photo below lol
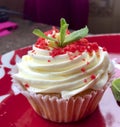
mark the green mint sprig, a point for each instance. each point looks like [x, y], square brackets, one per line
[76, 35]
[64, 39]
[39, 33]
[63, 28]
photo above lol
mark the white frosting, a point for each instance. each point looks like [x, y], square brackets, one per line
[59, 74]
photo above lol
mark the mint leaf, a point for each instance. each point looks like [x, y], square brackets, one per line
[62, 40]
[39, 33]
[76, 35]
[62, 22]
[63, 28]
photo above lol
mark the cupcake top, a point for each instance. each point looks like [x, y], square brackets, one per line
[63, 62]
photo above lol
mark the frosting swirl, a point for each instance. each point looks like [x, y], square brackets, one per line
[44, 73]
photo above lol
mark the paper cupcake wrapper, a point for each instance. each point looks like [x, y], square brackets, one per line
[61, 110]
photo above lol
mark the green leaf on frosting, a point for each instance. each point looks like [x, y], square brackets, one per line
[63, 28]
[39, 33]
[76, 35]
[64, 39]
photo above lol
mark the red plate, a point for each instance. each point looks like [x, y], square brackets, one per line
[15, 111]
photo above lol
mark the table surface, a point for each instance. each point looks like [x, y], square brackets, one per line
[22, 36]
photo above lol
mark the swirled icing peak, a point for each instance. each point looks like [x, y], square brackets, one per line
[66, 69]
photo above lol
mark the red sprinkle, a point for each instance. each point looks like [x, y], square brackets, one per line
[92, 76]
[88, 63]
[83, 69]
[49, 60]
[84, 41]
[83, 59]
[26, 85]
[71, 56]
[85, 80]
[95, 46]
[41, 43]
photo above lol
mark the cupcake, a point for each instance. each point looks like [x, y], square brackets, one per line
[64, 76]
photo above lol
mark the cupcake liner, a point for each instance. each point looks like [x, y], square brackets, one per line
[59, 109]
[64, 110]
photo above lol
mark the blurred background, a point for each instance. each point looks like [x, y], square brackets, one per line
[19, 18]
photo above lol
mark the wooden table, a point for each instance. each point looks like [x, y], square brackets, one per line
[22, 36]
